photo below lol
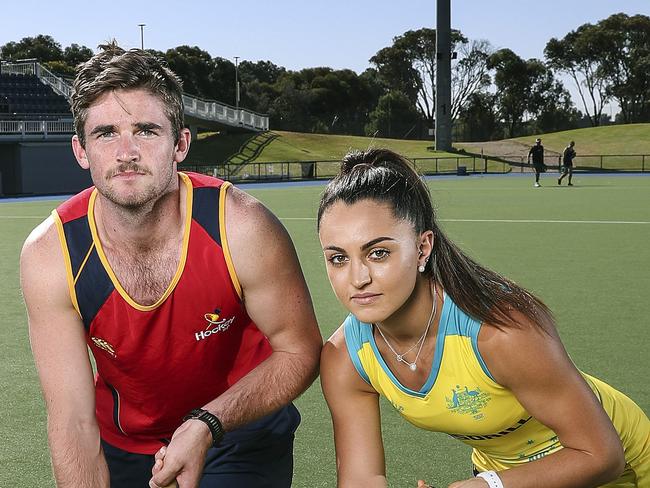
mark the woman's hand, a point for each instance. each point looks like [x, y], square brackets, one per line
[469, 483]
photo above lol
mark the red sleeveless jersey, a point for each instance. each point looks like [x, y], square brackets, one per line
[155, 363]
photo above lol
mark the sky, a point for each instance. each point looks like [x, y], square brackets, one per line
[301, 34]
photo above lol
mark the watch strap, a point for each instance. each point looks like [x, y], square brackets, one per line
[209, 419]
[492, 479]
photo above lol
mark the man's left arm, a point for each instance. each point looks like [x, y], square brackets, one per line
[277, 299]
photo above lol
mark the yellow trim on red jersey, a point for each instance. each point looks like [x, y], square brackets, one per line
[224, 239]
[181, 265]
[83, 263]
[66, 259]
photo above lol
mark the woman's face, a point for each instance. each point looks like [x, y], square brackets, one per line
[371, 257]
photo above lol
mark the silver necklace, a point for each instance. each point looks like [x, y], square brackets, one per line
[400, 357]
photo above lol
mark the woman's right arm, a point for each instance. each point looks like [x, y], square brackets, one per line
[354, 406]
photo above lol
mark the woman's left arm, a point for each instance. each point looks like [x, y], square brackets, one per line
[534, 365]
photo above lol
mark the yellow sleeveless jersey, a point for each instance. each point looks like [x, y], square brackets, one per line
[461, 398]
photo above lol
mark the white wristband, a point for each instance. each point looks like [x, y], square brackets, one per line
[492, 479]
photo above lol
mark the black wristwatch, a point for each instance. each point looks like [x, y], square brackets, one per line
[212, 421]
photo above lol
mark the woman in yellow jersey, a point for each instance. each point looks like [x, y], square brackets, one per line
[455, 348]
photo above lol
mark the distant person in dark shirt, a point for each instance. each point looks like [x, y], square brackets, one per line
[537, 153]
[567, 163]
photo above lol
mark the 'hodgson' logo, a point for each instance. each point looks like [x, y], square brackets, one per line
[215, 325]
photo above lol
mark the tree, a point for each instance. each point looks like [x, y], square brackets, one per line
[578, 54]
[479, 120]
[409, 66]
[608, 60]
[626, 63]
[470, 74]
[222, 80]
[75, 54]
[526, 89]
[395, 117]
[513, 83]
[290, 110]
[43, 48]
[324, 100]
[261, 71]
[194, 66]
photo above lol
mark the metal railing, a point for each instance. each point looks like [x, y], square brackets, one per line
[44, 128]
[592, 162]
[324, 169]
[194, 106]
[58, 85]
[18, 68]
[219, 112]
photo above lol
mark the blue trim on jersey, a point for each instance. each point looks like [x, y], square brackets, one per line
[79, 241]
[453, 321]
[205, 210]
[437, 356]
[93, 288]
[354, 340]
[478, 354]
[440, 344]
[467, 326]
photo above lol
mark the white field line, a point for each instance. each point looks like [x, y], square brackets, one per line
[517, 221]
[10, 217]
[506, 221]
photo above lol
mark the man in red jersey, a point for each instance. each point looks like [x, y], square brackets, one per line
[187, 291]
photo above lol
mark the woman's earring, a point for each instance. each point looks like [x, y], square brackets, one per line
[422, 266]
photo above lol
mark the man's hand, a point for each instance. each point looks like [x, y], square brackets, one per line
[160, 459]
[180, 464]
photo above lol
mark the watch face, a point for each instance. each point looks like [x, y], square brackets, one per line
[194, 414]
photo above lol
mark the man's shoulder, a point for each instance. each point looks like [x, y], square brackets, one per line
[40, 243]
[199, 180]
[75, 206]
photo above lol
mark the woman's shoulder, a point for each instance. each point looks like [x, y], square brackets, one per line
[339, 355]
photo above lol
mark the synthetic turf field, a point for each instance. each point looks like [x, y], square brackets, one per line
[584, 250]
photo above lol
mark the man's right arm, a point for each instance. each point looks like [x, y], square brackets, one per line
[57, 339]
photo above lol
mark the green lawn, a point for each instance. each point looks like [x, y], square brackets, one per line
[609, 139]
[593, 275]
[630, 139]
[297, 146]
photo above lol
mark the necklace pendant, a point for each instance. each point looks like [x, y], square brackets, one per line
[413, 366]
[400, 359]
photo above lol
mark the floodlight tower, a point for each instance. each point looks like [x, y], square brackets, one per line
[237, 82]
[443, 75]
[142, 35]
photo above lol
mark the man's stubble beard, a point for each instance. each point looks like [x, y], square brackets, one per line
[135, 201]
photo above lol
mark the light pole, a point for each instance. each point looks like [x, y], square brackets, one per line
[141, 35]
[236, 82]
[443, 76]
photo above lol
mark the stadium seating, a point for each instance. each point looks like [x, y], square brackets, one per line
[26, 97]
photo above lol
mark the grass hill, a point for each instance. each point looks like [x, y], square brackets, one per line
[609, 139]
[211, 148]
[606, 140]
[216, 148]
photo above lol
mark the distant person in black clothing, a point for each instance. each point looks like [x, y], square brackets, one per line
[537, 152]
[567, 163]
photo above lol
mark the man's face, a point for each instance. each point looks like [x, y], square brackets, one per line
[130, 149]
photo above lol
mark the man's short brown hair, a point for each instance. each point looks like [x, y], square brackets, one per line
[114, 68]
